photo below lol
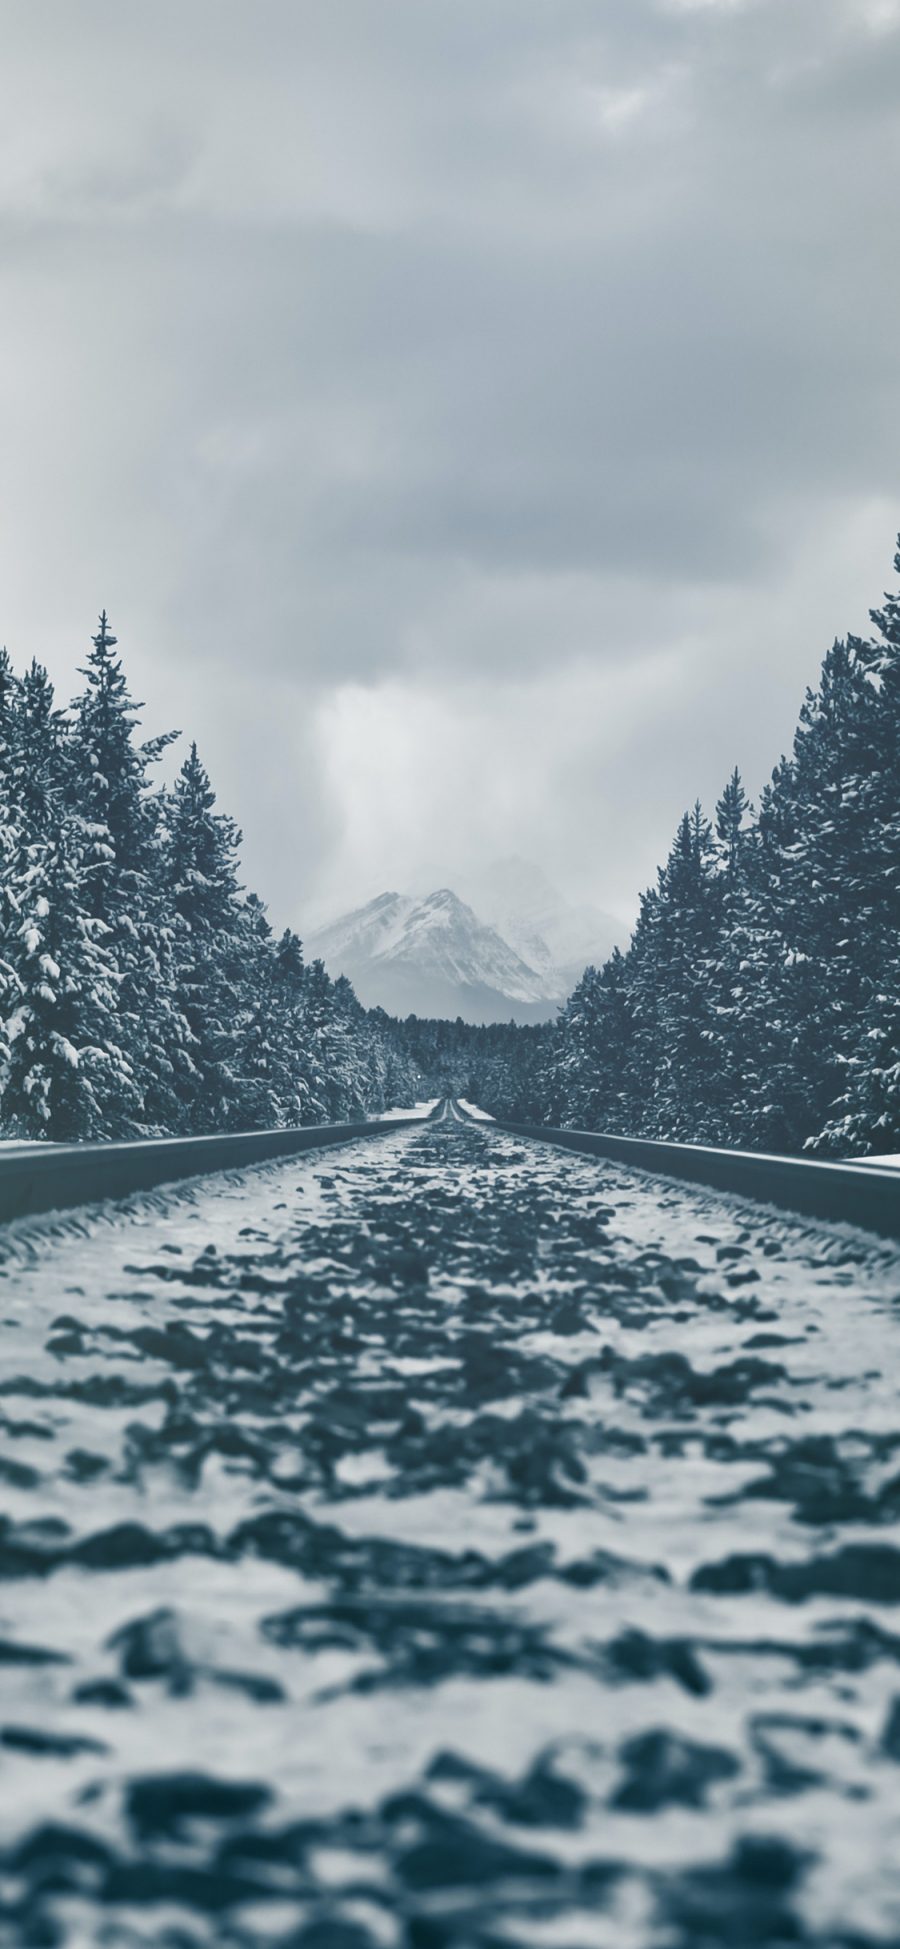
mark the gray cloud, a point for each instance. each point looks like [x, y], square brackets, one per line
[438, 356]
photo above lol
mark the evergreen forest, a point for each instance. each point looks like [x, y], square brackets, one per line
[758, 1004]
[143, 991]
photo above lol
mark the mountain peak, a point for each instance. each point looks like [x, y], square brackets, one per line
[434, 956]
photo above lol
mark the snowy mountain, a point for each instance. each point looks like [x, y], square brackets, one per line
[434, 956]
[431, 957]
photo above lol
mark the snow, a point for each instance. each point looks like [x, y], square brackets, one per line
[474, 1110]
[389, 1624]
[408, 1110]
[65, 1049]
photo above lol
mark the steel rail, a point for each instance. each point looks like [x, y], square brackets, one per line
[54, 1177]
[865, 1194]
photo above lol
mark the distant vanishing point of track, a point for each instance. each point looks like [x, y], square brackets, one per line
[448, 1541]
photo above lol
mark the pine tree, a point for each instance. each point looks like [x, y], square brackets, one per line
[589, 1070]
[109, 784]
[765, 1113]
[210, 936]
[262, 1087]
[9, 707]
[62, 1044]
[732, 814]
[733, 1028]
[9, 829]
[672, 1004]
[644, 990]
[826, 881]
[37, 756]
[288, 998]
[865, 1112]
[109, 777]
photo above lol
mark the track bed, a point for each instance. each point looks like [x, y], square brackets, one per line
[448, 1543]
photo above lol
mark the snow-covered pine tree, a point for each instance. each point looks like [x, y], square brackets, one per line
[317, 1025]
[287, 1001]
[208, 952]
[865, 1114]
[673, 948]
[865, 1119]
[322, 1063]
[733, 1029]
[766, 1108]
[575, 1061]
[62, 1042]
[827, 892]
[878, 662]
[352, 1088]
[109, 778]
[732, 814]
[110, 786]
[364, 1056]
[9, 823]
[38, 758]
[589, 1071]
[401, 1078]
[260, 1056]
[10, 689]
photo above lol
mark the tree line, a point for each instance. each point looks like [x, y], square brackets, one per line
[142, 990]
[759, 1001]
[503, 1066]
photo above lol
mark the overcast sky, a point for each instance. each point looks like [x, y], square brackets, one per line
[478, 416]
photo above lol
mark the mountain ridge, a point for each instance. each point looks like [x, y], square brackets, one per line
[432, 954]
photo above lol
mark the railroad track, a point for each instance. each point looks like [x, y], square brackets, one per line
[54, 1177]
[38, 1178]
[863, 1194]
[454, 1530]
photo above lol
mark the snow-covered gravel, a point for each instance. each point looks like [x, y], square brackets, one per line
[448, 1543]
[411, 1110]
